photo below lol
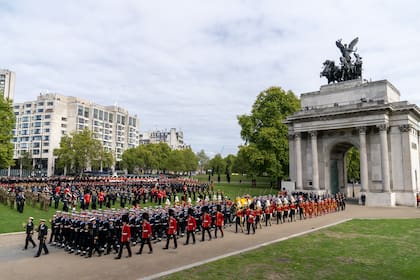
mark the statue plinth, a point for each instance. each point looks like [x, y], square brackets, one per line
[350, 92]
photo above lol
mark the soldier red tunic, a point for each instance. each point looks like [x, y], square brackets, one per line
[219, 223]
[191, 227]
[125, 240]
[172, 228]
[206, 225]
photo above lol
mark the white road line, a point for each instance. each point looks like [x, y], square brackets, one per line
[165, 273]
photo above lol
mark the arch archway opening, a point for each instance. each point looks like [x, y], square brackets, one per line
[345, 169]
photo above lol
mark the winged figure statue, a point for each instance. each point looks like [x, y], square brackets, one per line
[346, 51]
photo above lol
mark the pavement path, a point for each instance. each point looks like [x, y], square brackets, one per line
[18, 264]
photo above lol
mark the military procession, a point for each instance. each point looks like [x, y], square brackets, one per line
[87, 233]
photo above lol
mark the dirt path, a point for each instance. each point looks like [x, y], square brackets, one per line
[18, 264]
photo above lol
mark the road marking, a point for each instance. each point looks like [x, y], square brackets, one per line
[165, 273]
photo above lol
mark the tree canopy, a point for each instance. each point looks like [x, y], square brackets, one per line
[353, 164]
[7, 123]
[80, 150]
[158, 157]
[266, 147]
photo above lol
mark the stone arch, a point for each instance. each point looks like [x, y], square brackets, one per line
[370, 117]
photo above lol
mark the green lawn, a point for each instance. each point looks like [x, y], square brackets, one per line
[11, 220]
[359, 249]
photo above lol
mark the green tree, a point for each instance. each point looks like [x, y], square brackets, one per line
[130, 160]
[176, 161]
[230, 161]
[353, 165]
[203, 161]
[218, 165]
[7, 123]
[104, 160]
[265, 135]
[79, 151]
[65, 154]
[190, 160]
[26, 161]
[242, 162]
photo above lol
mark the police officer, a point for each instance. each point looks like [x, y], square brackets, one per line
[42, 236]
[29, 232]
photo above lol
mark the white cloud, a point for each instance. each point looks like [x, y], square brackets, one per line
[196, 65]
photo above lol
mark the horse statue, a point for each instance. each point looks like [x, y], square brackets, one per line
[332, 72]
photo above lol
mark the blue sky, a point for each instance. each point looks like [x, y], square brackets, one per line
[196, 65]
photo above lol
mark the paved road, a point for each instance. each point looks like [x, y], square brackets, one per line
[18, 264]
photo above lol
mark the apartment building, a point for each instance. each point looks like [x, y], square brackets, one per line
[40, 124]
[174, 139]
[7, 83]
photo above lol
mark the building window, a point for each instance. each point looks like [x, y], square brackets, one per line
[111, 117]
[40, 103]
[38, 117]
[95, 113]
[64, 119]
[35, 152]
[36, 145]
[45, 151]
[63, 125]
[50, 103]
[101, 115]
[46, 138]
[47, 116]
[28, 105]
[47, 130]
[47, 123]
[80, 110]
[40, 110]
[37, 124]
[86, 112]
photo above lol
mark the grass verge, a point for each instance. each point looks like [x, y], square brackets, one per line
[359, 249]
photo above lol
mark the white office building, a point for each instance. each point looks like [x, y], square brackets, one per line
[174, 139]
[7, 83]
[40, 124]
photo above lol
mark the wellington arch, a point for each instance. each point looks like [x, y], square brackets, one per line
[368, 116]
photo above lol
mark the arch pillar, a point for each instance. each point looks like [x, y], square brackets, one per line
[364, 181]
[315, 169]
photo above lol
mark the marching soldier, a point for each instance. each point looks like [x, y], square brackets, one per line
[250, 221]
[206, 223]
[125, 237]
[29, 232]
[146, 233]
[93, 238]
[239, 217]
[219, 221]
[191, 226]
[172, 228]
[42, 236]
